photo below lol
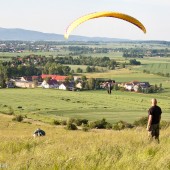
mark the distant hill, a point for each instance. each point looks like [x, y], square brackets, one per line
[28, 35]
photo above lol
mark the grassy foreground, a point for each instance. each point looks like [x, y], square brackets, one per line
[94, 150]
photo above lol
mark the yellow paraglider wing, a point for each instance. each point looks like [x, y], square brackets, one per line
[122, 16]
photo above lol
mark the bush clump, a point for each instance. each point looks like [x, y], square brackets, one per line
[100, 124]
[56, 122]
[18, 118]
[141, 122]
[79, 122]
[63, 122]
[71, 120]
[122, 125]
[71, 126]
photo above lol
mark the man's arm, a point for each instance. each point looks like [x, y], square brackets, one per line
[149, 122]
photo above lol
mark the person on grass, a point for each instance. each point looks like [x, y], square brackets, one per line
[154, 117]
[39, 132]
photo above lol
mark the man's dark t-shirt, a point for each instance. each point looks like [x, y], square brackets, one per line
[155, 111]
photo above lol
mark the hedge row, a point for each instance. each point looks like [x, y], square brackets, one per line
[71, 124]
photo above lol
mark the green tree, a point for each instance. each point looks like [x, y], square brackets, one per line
[91, 83]
[3, 76]
[79, 70]
[83, 78]
[88, 69]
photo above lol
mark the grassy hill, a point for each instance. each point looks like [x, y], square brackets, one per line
[95, 150]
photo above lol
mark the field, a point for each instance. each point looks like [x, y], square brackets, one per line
[157, 68]
[50, 104]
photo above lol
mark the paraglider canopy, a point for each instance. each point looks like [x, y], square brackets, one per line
[118, 15]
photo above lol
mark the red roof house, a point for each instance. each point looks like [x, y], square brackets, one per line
[54, 77]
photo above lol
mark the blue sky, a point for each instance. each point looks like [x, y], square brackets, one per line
[54, 16]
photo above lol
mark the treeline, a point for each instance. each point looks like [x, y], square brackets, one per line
[86, 125]
[141, 52]
[80, 60]
[84, 60]
[85, 50]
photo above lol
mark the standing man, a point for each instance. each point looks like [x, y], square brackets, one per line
[154, 117]
[109, 88]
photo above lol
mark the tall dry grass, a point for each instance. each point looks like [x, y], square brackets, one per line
[77, 150]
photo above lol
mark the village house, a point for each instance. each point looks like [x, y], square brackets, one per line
[129, 86]
[26, 78]
[31, 78]
[134, 85]
[62, 86]
[49, 84]
[58, 78]
[25, 84]
[79, 85]
[10, 84]
[67, 86]
[143, 85]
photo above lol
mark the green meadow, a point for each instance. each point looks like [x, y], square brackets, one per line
[157, 68]
[50, 104]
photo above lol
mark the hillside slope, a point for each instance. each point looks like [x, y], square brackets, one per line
[78, 150]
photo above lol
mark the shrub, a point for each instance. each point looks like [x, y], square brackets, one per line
[100, 124]
[18, 118]
[108, 126]
[70, 120]
[63, 122]
[71, 126]
[85, 127]
[119, 125]
[141, 122]
[79, 122]
[122, 125]
[116, 127]
[56, 122]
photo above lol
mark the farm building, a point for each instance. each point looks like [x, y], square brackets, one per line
[25, 84]
[63, 86]
[49, 84]
[54, 77]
